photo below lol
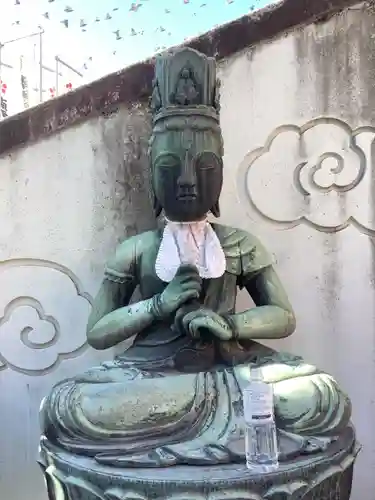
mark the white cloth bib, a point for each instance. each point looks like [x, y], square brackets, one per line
[193, 243]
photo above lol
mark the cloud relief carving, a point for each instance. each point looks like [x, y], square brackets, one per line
[320, 173]
[43, 315]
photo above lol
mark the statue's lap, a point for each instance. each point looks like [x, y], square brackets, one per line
[117, 397]
[137, 403]
[127, 406]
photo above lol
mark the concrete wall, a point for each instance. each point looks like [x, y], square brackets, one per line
[298, 124]
[65, 203]
[302, 107]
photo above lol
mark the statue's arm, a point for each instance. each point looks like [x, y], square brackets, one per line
[273, 318]
[112, 319]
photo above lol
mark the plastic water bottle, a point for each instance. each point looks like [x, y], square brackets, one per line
[260, 430]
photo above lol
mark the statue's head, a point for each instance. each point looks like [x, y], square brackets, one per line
[186, 147]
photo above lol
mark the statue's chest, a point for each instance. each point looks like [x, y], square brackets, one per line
[150, 283]
[217, 294]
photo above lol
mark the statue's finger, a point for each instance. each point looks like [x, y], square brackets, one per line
[178, 320]
[194, 329]
[190, 279]
[187, 295]
[184, 309]
[187, 269]
[187, 319]
[191, 285]
[197, 324]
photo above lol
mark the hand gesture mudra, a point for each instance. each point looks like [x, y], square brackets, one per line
[184, 288]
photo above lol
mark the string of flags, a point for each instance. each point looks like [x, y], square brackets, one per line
[108, 16]
[69, 17]
[134, 7]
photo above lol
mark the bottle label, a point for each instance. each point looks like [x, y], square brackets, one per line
[258, 401]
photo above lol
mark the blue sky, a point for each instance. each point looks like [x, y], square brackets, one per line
[93, 38]
[114, 35]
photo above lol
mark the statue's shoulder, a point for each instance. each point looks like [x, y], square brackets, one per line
[233, 236]
[244, 252]
[124, 262]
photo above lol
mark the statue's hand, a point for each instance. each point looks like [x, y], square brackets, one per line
[205, 321]
[185, 287]
[182, 312]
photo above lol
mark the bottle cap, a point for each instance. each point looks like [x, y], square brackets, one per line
[256, 374]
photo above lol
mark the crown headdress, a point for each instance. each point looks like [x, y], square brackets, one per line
[185, 83]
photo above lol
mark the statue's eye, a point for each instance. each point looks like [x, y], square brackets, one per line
[167, 161]
[208, 161]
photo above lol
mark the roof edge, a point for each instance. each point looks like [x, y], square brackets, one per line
[133, 84]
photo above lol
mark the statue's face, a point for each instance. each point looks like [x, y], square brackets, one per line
[187, 172]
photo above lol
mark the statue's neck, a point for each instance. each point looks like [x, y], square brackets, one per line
[176, 223]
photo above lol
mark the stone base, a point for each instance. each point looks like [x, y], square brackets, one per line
[324, 476]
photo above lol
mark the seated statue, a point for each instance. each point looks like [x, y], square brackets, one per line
[174, 396]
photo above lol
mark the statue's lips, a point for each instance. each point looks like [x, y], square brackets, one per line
[187, 197]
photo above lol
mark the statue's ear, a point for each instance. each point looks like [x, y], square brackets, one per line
[157, 207]
[156, 204]
[215, 210]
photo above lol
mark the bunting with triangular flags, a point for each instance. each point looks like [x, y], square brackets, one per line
[117, 24]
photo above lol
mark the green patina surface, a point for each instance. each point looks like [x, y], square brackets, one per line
[175, 396]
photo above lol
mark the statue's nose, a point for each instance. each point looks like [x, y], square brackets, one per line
[187, 180]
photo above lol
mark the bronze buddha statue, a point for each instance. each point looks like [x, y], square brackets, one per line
[175, 395]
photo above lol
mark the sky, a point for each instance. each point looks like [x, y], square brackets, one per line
[97, 37]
